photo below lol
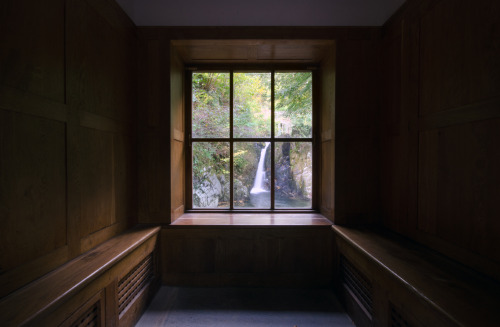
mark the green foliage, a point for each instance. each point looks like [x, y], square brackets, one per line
[293, 96]
[252, 104]
[210, 115]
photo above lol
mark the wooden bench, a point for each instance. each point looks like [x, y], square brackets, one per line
[409, 285]
[109, 284]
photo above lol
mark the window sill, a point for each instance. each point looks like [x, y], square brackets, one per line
[252, 219]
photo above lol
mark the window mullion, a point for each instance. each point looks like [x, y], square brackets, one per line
[272, 140]
[231, 143]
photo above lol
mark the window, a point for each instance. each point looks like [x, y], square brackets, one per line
[251, 140]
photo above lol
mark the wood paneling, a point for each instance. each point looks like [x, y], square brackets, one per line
[440, 135]
[32, 51]
[431, 289]
[154, 132]
[252, 51]
[357, 102]
[177, 127]
[67, 152]
[356, 133]
[245, 256]
[327, 132]
[102, 81]
[32, 188]
[460, 200]
[97, 193]
[459, 49]
[53, 298]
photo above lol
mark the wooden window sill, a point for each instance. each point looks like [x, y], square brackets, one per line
[252, 219]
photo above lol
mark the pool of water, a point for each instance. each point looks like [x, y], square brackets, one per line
[262, 200]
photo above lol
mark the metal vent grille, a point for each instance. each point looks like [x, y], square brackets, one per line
[90, 318]
[396, 319]
[358, 284]
[130, 285]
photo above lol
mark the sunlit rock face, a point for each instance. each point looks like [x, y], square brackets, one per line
[207, 192]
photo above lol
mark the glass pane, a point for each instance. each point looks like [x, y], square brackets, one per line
[293, 175]
[293, 104]
[252, 105]
[252, 173]
[211, 175]
[210, 116]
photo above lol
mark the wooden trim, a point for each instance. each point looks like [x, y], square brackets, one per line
[176, 213]
[249, 219]
[471, 113]
[12, 99]
[178, 135]
[20, 276]
[71, 278]
[398, 265]
[97, 298]
[92, 240]
[98, 122]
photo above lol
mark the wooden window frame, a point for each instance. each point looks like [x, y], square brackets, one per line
[314, 140]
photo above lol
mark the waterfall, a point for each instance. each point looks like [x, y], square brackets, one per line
[259, 176]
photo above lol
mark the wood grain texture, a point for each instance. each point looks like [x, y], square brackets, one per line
[246, 256]
[86, 274]
[32, 188]
[434, 289]
[242, 219]
[326, 115]
[67, 77]
[356, 133]
[97, 193]
[104, 79]
[177, 126]
[467, 33]
[251, 51]
[154, 138]
[439, 119]
[32, 51]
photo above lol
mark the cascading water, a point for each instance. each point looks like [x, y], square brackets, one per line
[259, 176]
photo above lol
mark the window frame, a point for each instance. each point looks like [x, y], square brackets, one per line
[231, 69]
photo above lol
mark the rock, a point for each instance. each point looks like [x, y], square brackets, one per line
[206, 194]
[240, 192]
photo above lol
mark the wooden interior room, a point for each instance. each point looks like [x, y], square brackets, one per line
[94, 212]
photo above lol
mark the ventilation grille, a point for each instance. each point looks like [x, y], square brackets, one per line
[90, 318]
[134, 282]
[396, 319]
[358, 284]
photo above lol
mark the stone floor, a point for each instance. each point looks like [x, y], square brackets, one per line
[231, 307]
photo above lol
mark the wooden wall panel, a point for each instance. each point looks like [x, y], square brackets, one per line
[32, 47]
[154, 132]
[356, 133]
[125, 175]
[32, 188]
[440, 135]
[327, 132]
[246, 256]
[459, 50]
[462, 203]
[97, 192]
[68, 102]
[101, 65]
[177, 136]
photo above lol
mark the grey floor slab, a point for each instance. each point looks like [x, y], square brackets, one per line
[231, 307]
